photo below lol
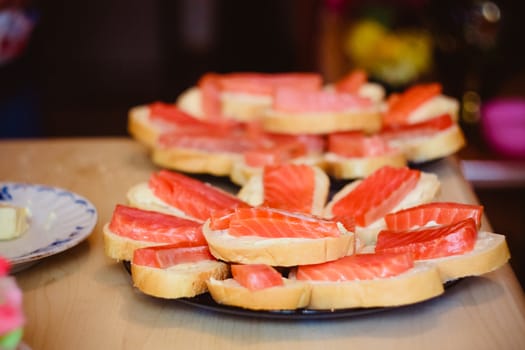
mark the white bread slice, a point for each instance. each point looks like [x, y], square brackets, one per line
[420, 283]
[194, 160]
[141, 196]
[277, 251]
[426, 148]
[121, 248]
[438, 105]
[292, 295]
[253, 191]
[190, 101]
[425, 191]
[490, 252]
[373, 91]
[243, 107]
[368, 120]
[142, 129]
[182, 280]
[358, 167]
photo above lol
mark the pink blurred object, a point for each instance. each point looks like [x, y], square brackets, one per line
[503, 126]
[11, 315]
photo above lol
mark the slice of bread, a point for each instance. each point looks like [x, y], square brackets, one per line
[420, 283]
[194, 160]
[181, 280]
[141, 128]
[368, 120]
[490, 252]
[121, 248]
[427, 148]
[277, 251]
[438, 105]
[341, 167]
[292, 295]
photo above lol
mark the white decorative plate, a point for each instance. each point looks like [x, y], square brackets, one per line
[58, 220]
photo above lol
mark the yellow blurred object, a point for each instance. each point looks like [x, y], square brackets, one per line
[396, 57]
[362, 39]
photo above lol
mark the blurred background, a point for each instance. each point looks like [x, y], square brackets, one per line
[71, 68]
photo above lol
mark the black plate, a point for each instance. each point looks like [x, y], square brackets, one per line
[205, 302]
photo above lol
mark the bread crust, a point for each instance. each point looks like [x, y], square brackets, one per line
[489, 253]
[183, 280]
[190, 101]
[358, 167]
[122, 248]
[419, 283]
[140, 128]
[244, 107]
[321, 123]
[292, 295]
[194, 161]
[441, 144]
[277, 251]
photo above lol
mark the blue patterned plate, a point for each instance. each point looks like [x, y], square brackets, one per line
[58, 220]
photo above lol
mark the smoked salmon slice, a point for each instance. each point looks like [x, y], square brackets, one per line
[289, 186]
[146, 225]
[172, 114]
[195, 198]
[420, 129]
[274, 223]
[436, 213]
[352, 82]
[357, 144]
[403, 104]
[170, 255]
[256, 276]
[212, 85]
[430, 242]
[357, 267]
[275, 155]
[377, 194]
[298, 101]
[266, 83]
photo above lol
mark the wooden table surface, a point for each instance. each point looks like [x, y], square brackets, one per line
[80, 299]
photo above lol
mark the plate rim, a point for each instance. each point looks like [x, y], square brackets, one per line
[27, 259]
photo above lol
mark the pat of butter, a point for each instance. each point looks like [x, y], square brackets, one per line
[13, 221]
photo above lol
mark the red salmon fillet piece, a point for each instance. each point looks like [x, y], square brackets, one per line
[403, 104]
[377, 194]
[172, 114]
[289, 186]
[256, 276]
[170, 255]
[440, 213]
[266, 83]
[352, 82]
[357, 144]
[296, 101]
[195, 198]
[357, 267]
[430, 242]
[274, 223]
[145, 225]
